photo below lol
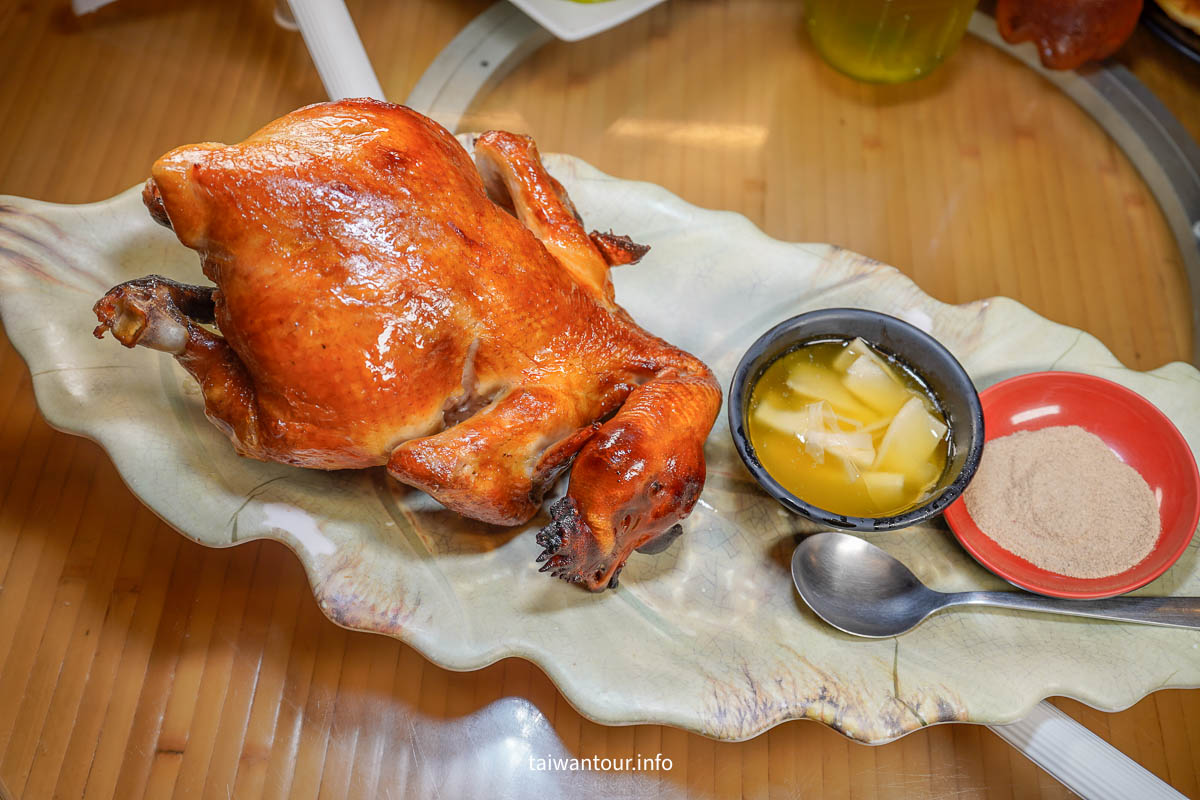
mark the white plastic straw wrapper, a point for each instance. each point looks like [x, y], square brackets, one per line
[336, 49]
[1081, 760]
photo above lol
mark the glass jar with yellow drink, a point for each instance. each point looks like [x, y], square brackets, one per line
[886, 41]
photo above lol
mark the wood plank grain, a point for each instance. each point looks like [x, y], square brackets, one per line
[98, 776]
[272, 649]
[82, 740]
[291, 721]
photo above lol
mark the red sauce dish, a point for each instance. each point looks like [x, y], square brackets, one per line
[1134, 429]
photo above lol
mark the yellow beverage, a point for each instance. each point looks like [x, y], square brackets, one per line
[886, 41]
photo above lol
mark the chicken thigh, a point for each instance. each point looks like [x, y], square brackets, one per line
[382, 300]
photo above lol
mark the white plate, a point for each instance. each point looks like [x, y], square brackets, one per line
[707, 636]
[573, 21]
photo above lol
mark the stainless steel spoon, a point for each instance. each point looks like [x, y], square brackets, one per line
[860, 589]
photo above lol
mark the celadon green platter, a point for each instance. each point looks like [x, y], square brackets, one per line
[708, 636]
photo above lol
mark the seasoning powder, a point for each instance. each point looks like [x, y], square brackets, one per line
[1058, 497]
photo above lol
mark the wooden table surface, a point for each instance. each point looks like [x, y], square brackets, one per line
[135, 663]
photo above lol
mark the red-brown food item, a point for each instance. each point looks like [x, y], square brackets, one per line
[382, 300]
[1068, 33]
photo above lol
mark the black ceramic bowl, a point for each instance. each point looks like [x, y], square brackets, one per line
[912, 347]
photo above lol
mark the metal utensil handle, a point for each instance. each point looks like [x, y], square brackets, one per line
[1178, 612]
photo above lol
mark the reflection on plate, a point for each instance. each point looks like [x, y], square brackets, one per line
[1182, 38]
[572, 21]
[707, 636]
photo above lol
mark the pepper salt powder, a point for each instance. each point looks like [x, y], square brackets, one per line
[1061, 499]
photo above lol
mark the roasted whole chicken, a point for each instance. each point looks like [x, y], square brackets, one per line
[382, 300]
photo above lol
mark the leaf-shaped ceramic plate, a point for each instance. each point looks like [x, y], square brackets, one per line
[708, 636]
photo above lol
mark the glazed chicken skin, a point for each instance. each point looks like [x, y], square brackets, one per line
[382, 300]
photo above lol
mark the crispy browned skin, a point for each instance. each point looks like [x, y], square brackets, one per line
[376, 307]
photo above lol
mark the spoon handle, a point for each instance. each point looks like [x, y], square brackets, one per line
[1178, 612]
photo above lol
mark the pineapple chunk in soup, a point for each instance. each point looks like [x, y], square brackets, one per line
[847, 429]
